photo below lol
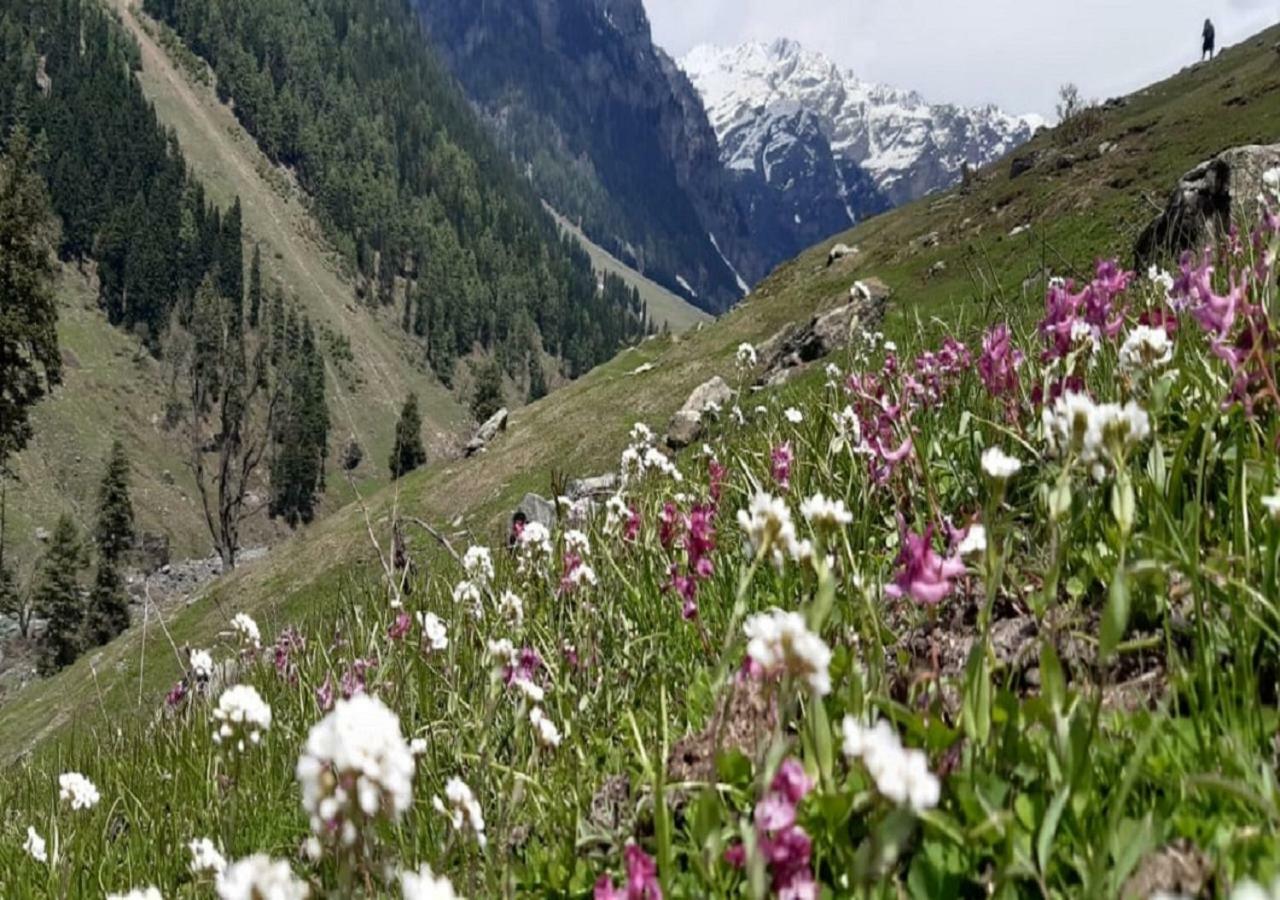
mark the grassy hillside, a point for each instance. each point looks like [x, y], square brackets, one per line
[113, 392]
[665, 307]
[1075, 215]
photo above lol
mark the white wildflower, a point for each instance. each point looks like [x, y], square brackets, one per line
[767, 522]
[737, 414]
[974, 542]
[511, 608]
[833, 372]
[462, 808]
[793, 415]
[1097, 433]
[890, 347]
[616, 514]
[534, 544]
[469, 594]
[477, 562]
[259, 877]
[746, 356]
[146, 893]
[246, 629]
[77, 790]
[502, 652]
[206, 858]
[425, 885]
[34, 846]
[355, 768]
[200, 664]
[418, 746]
[998, 465]
[577, 542]
[641, 434]
[657, 461]
[312, 849]
[529, 688]
[1146, 349]
[1252, 890]
[581, 574]
[434, 634]
[900, 774]
[1271, 504]
[824, 514]
[544, 728]
[242, 713]
[780, 641]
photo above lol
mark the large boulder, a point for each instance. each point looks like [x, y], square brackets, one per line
[534, 508]
[787, 353]
[493, 426]
[1207, 201]
[593, 488]
[686, 425]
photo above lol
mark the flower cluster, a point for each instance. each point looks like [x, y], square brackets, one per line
[246, 630]
[923, 575]
[78, 791]
[900, 774]
[779, 642]
[242, 715]
[784, 845]
[462, 808]
[642, 879]
[1097, 434]
[354, 769]
[259, 877]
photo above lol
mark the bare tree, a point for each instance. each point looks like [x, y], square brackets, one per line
[228, 399]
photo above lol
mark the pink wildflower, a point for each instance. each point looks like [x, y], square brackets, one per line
[642, 879]
[717, 474]
[998, 365]
[632, 529]
[324, 694]
[176, 694]
[924, 576]
[785, 846]
[400, 627]
[781, 459]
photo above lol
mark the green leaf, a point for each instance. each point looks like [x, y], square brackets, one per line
[1115, 618]
[1049, 827]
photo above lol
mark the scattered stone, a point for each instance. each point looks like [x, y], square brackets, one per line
[686, 425]
[43, 535]
[167, 477]
[1208, 199]
[1106, 147]
[937, 268]
[932, 239]
[599, 486]
[643, 368]
[840, 251]
[1179, 869]
[496, 424]
[1019, 230]
[1116, 103]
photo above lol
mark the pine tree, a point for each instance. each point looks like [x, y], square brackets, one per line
[57, 598]
[537, 379]
[30, 363]
[231, 262]
[302, 434]
[255, 287]
[408, 453]
[487, 397]
[108, 613]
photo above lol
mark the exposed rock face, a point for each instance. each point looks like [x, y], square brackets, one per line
[152, 551]
[352, 455]
[611, 131]
[495, 425]
[791, 350]
[687, 424]
[1208, 200]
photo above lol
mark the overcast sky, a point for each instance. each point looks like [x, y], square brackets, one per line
[1012, 52]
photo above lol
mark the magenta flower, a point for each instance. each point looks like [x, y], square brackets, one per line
[176, 694]
[526, 667]
[642, 879]
[289, 641]
[324, 694]
[668, 525]
[999, 363]
[632, 529]
[785, 846]
[400, 627]
[781, 459]
[924, 576]
[717, 474]
[353, 679]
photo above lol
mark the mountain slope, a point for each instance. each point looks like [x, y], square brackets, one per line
[889, 146]
[612, 133]
[1091, 206]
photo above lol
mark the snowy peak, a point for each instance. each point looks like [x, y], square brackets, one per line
[908, 146]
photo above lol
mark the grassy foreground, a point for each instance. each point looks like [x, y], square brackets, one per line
[958, 619]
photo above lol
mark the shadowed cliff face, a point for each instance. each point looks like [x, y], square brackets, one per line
[611, 131]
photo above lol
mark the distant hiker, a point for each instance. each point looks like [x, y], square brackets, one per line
[1208, 40]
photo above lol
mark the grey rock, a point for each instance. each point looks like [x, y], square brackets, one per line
[686, 425]
[793, 348]
[1207, 201]
[1022, 164]
[43, 535]
[485, 434]
[840, 251]
[152, 551]
[535, 508]
[352, 455]
[599, 486]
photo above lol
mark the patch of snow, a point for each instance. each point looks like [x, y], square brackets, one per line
[684, 284]
[742, 285]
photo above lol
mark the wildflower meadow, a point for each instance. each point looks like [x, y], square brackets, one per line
[991, 615]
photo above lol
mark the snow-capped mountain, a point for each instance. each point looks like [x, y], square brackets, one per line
[878, 135]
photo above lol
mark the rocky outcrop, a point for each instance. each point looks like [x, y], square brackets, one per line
[485, 434]
[839, 252]
[792, 350]
[1207, 201]
[593, 488]
[687, 424]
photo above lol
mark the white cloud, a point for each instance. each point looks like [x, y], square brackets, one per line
[1012, 52]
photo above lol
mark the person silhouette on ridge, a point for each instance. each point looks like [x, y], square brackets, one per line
[1207, 50]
